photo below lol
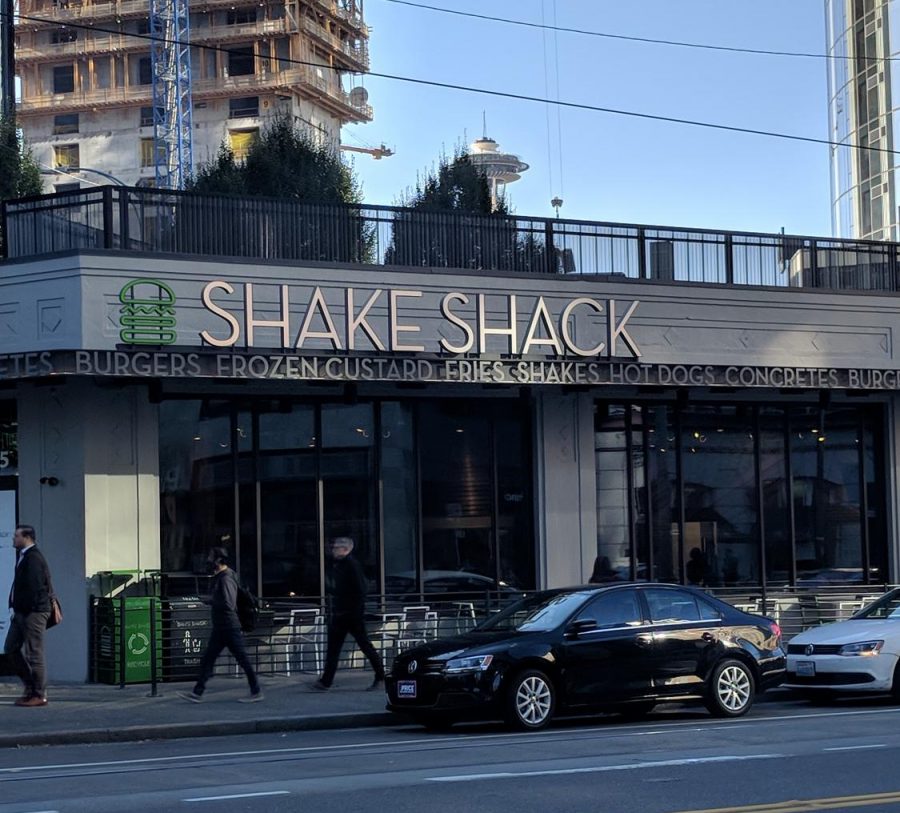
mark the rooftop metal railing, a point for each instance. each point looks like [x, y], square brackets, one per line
[163, 221]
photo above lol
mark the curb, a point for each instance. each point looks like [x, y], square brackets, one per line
[265, 725]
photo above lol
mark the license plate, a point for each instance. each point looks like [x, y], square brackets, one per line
[406, 688]
[806, 668]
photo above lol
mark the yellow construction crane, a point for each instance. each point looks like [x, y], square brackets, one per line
[376, 152]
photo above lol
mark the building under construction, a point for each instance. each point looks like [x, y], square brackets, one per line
[88, 98]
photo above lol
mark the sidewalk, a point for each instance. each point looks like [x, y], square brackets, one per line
[89, 713]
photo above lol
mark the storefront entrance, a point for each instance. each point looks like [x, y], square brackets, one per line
[724, 495]
[437, 495]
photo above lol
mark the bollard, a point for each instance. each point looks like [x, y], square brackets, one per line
[153, 689]
[122, 652]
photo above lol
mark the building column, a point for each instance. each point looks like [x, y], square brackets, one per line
[565, 488]
[892, 486]
[101, 445]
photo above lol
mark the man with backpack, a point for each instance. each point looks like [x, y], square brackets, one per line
[226, 628]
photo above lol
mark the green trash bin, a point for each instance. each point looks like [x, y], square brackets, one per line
[107, 640]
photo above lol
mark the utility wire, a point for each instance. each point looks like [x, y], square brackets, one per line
[522, 97]
[626, 38]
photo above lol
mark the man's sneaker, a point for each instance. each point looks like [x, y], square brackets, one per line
[35, 701]
[376, 686]
[251, 698]
[319, 686]
[192, 696]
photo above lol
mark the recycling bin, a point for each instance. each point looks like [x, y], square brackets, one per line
[107, 640]
[186, 628]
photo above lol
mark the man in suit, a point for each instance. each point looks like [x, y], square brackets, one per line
[29, 600]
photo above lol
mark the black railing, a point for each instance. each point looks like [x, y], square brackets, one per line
[162, 221]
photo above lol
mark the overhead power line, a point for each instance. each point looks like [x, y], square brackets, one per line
[502, 94]
[648, 40]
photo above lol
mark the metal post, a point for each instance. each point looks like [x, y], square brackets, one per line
[549, 248]
[108, 230]
[729, 260]
[122, 642]
[7, 60]
[642, 254]
[153, 660]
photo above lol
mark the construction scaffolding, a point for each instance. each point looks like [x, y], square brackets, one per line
[170, 54]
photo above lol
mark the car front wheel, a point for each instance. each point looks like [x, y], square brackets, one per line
[729, 692]
[530, 701]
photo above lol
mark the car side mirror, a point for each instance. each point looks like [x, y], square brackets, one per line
[582, 625]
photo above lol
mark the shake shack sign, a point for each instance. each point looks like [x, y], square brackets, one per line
[305, 319]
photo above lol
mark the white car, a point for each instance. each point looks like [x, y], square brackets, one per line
[860, 654]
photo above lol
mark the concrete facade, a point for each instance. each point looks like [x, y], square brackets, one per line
[88, 415]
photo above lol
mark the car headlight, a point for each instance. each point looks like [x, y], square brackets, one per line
[863, 648]
[473, 663]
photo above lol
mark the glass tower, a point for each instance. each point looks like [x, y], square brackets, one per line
[863, 37]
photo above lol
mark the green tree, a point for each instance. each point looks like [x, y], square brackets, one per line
[284, 163]
[452, 224]
[20, 175]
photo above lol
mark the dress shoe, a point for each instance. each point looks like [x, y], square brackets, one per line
[319, 686]
[32, 702]
[377, 685]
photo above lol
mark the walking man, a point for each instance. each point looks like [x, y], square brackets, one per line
[348, 597]
[29, 600]
[226, 630]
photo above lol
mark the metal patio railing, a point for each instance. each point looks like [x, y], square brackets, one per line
[161, 221]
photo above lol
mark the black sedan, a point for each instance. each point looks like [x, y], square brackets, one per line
[625, 647]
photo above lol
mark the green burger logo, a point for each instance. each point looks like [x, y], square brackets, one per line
[148, 313]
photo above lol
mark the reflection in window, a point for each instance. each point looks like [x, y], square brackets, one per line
[287, 489]
[776, 515]
[398, 479]
[457, 504]
[720, 510]
[347, 469]
[613, 560]
[806, 495]
[619, 608]
[662, 454]
[195, 482]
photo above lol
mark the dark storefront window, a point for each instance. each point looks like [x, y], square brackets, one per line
[737, 493]
[773, 465]
[399, 497]
[515, 509]
[720, 509]
[827, 495]
[274, 482]
[613, 539]
[287, 485]
[196, 481]
[664, 501]
[457, 497]
[348, 477]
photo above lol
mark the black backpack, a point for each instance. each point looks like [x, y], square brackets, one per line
[247, 609]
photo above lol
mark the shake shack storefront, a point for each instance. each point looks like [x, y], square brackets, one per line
[469, 431]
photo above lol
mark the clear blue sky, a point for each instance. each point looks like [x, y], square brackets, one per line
[613, 168]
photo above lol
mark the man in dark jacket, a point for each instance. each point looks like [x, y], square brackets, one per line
[29, 599]
[226, 630]
[348, 598]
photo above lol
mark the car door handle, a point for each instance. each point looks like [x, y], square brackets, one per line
[708, 636]
[643, 639]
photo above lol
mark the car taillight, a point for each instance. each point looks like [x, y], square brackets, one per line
[776, 630]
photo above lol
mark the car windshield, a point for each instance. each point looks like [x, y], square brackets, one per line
[888, 606]
[538, 613]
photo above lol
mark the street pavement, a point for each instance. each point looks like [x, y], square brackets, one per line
[94, 713]
[784, 757]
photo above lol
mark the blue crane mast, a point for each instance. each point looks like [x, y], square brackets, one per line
[171, 65]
